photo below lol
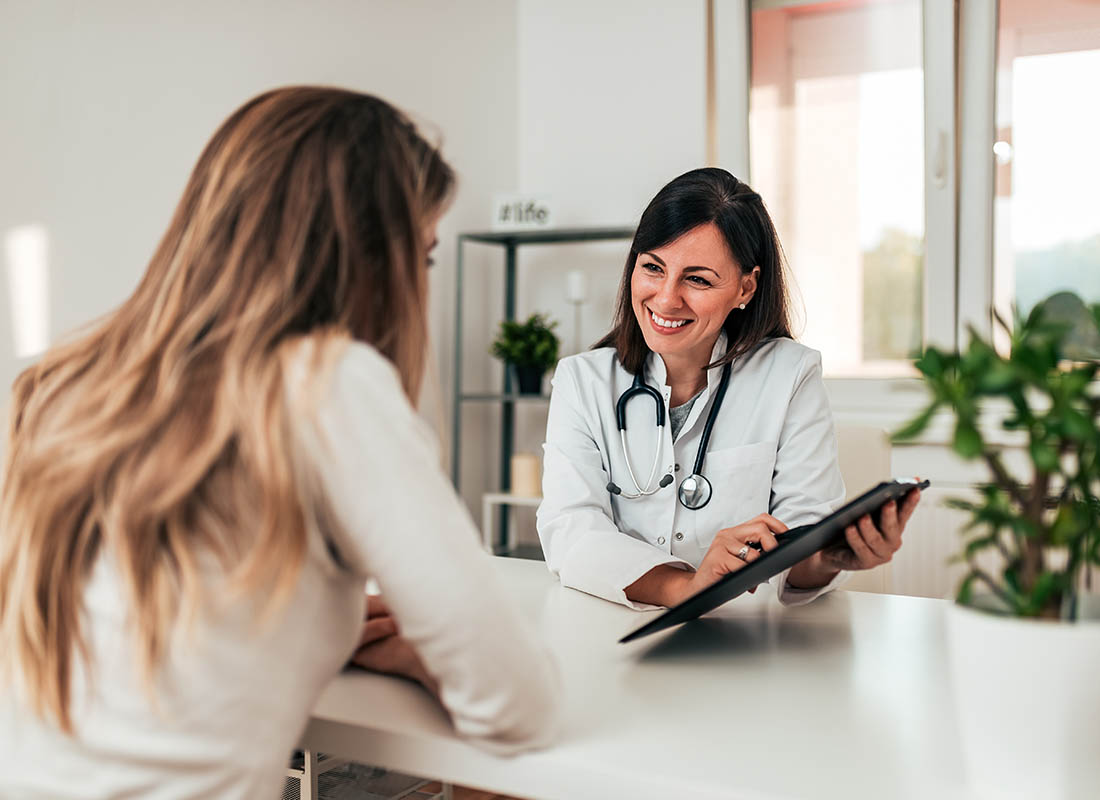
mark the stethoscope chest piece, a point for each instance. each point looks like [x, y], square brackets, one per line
[694, 492]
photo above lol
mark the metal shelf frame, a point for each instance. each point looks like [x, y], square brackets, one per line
[510, 241]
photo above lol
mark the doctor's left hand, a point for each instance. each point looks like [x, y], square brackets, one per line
[868, 545]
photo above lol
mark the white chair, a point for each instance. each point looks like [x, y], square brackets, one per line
[864, 462]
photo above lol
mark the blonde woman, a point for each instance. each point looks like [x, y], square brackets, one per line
[197, 488]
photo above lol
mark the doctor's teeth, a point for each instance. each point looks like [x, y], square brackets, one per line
[667, 323]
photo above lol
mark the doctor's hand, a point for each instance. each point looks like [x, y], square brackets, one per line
[868, 545]
[732, 549]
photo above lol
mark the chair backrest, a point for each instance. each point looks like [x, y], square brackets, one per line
[864, 461]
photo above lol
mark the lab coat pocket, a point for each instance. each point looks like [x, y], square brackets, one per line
[742, 480]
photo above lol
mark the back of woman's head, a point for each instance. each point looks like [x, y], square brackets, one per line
[701, 197]
[163, 432]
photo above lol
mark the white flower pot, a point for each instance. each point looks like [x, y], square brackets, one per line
[1027, 699]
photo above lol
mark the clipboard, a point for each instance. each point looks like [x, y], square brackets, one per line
[794, 546]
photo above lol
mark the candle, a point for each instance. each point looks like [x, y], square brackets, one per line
[526, 477]
[576, 286]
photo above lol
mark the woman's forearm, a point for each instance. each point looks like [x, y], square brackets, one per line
[664, 585]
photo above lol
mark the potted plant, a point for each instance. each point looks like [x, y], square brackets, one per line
[1024, 655]
[530, 347]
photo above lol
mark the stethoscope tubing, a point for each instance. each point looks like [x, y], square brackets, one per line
[640, 387]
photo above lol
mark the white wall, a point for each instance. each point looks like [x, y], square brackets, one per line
[105, 106]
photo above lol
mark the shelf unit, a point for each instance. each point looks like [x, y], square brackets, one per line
[510, 241]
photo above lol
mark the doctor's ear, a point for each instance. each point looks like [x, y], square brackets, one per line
[748, 285]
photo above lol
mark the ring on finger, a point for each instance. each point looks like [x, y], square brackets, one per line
[744, 551]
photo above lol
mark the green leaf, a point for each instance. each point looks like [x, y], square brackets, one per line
[968, 442]
[1043, 455]
[966, 590]
[998, 378]
[1072, 520]
[916, 425]
[1077, 426]
[975, 546]
[1047, 590]
[932, 363]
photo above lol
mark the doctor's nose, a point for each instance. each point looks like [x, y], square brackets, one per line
[668, 296]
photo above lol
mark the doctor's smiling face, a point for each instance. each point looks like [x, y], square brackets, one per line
[683, 292]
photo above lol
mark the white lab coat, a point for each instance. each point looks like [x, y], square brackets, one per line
[772, 449]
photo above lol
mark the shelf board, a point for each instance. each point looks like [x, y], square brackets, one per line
[549, 236]
[507, 499]
[512, 397]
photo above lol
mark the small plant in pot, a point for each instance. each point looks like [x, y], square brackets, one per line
[1023, 652]
[529, 347]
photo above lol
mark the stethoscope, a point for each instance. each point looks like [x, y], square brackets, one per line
[695, 490]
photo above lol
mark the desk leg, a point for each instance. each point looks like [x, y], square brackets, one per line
[487, 525]
[309, 777]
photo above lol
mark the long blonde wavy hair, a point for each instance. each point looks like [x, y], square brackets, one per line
[162, 433]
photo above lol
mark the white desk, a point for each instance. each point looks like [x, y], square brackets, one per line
[844, 698]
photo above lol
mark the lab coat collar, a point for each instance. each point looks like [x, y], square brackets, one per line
[658, 373]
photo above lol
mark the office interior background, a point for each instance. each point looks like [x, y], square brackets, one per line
[924, 162]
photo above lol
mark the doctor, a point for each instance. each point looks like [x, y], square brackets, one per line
[697, 429]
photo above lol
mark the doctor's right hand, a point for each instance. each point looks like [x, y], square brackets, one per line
[732, 549]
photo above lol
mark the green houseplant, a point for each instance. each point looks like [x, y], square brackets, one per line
[530, 347]
[1045, 532]
[1022, 652]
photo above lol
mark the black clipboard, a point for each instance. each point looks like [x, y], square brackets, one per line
[794, 546]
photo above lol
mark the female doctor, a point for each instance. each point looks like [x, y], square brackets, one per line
[697, 429]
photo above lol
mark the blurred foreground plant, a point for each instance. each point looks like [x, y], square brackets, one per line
[1046, 531]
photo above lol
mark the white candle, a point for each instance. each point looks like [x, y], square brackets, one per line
[526, 480]
[576, 286]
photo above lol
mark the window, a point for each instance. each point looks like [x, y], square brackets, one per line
[1046, 224]
[837, 150]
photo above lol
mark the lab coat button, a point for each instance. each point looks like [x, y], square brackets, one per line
[677, 467]
[679, 536]
[660, 540]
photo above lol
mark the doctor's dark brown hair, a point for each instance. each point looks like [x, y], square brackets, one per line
[162, 435]
[696, 198]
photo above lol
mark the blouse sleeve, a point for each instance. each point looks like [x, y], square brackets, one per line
[399, 521]
[580, 540]
[806, 483]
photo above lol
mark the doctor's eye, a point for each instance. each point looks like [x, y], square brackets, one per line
[698, 281]
[652, 268]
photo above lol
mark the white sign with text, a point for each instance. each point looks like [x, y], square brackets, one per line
[519, 212]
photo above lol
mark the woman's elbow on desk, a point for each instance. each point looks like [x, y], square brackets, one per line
[524, 717]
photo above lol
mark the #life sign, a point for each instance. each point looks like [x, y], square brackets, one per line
[521, 212]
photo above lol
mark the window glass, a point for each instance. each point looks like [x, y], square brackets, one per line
[1047, 150]
[836, 128]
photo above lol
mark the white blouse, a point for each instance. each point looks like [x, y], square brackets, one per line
[232, 698]
[772, 449]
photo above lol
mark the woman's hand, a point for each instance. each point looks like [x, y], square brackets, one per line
[866, 546]
[382, 649]
[731, 550]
